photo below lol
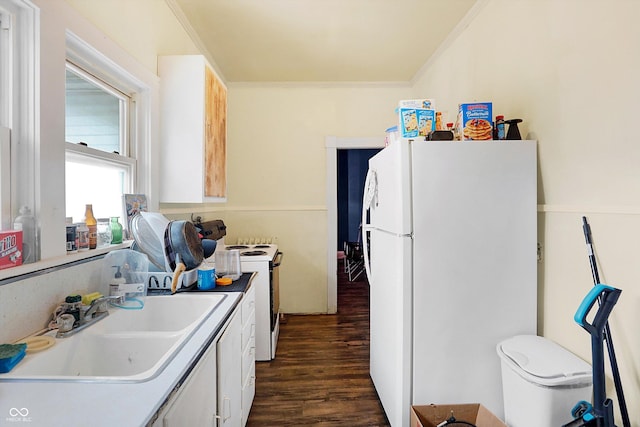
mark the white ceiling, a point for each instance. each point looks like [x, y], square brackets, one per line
[319, 40]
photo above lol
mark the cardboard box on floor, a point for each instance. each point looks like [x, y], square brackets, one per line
[432, 415]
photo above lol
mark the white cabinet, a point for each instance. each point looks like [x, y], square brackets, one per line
[195, 401]
[229, 374]
[193, 110]
[248, 352]
[220, 389]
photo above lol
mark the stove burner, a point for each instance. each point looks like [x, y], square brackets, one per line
[237, 247]
[262, 246]
[253, 253]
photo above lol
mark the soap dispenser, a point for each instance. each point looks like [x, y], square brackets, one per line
[114, 286]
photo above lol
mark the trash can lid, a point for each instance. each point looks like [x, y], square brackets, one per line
[543, 362]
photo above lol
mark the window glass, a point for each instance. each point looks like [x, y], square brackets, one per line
[95, 113]
[101, 170]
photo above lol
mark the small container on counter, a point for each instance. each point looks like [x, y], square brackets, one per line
[72, 238]
[92, 225]
[500, 131]
[82, 233]
[116, 230]
[104, 232]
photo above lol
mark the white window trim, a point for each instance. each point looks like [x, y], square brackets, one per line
[144, 82]
[20, 89]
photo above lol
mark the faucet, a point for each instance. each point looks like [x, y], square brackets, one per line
[99, 306]
[96, 311]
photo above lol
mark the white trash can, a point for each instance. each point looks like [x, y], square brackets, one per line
[541, 381]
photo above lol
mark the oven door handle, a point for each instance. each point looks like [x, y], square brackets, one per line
[278, 258]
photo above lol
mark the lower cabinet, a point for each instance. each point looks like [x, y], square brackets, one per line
[229, 374]
[219, 391]
[248, 379]
[195, 403]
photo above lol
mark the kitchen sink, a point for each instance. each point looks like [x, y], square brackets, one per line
[125, 346]
[161, 314]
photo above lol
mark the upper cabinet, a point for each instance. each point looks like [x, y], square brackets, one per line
[193, 131]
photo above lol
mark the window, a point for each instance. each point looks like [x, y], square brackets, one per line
[99, 163]
[17, 115]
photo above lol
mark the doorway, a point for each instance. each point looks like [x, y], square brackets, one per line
[333, 145]
[352, 171]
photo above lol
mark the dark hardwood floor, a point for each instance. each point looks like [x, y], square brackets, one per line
[320, 375]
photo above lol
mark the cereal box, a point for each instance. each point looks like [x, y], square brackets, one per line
[475, 121]
[408, 122]
[417, 117]
[428, 104]
[426, 121]
[10, 248]
[415, 122]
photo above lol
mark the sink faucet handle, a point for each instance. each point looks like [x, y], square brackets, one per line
[65, 322]
[99, 305]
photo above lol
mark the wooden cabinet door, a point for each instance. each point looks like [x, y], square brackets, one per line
[215, 137]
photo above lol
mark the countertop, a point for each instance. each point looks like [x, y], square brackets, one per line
[239, 285]
[57, 403]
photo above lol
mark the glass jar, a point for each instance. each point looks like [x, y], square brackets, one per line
[82, 233]
[104, 232]
[116, 230]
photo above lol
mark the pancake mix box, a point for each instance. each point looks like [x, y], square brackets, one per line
[475, 121]
[10, 248]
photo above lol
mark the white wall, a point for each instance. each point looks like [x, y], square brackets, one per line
[277, 170]
[570, 70]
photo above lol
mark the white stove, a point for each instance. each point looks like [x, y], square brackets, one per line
[253, 253]
[264, 259]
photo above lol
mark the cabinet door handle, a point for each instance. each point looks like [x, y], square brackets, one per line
[226, 411]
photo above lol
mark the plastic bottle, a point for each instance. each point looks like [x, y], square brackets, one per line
[439, 125]
[116, 230]
[92, 225]
[27, 223]
[500, 133]
[116, 281]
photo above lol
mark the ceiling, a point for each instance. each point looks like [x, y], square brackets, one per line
[319, 40]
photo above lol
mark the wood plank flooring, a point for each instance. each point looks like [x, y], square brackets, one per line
[320, 375]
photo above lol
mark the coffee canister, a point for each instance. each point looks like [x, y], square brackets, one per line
[71, 238]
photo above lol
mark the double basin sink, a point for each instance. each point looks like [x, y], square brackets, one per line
[125, 346]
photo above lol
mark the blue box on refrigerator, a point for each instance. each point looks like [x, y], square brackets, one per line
[416, 117]
[408, 122]
[426, 121]
[475, 121]
[415, 122]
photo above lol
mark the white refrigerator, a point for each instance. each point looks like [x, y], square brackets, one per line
[450, 253]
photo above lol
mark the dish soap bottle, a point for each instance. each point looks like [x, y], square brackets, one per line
[27, 223]
[92, 225]
[114, 286]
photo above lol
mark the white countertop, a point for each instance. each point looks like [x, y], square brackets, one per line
[69, 403]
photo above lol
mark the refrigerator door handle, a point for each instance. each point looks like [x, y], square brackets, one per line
[369, 197]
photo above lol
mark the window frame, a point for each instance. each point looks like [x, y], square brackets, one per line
[93, 156]
[42, 65]
[18, 109]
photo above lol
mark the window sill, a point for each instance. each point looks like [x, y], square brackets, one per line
[27, 269]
